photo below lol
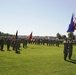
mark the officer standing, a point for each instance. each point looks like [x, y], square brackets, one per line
[65, 49]
[70, 49]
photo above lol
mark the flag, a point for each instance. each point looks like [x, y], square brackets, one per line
[71, 25]
[16, 34]
[75, 24]
[30, 36]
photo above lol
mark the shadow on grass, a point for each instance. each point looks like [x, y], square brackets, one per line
[2, 50]
[8, 50]
[17, 52]
[72, 61]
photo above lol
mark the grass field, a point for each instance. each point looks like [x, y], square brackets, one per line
[37, 60]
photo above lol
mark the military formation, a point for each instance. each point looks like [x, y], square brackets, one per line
[15, 43]
[12, 42]
[48, 42]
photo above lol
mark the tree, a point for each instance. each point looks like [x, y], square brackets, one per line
[5, 34]
[58, 36]
[70, 35]
[63, 36]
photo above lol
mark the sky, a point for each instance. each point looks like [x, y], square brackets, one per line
[42, 17]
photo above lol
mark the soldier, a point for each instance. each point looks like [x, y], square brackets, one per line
[57, 42]
[65, 49]
[43, 41]
[8, 44]
[24, 41]
[53, 42]
[13, 43]
[2, 43]
[70, 48]
[38, 41]
[19, 42]
[17, 46]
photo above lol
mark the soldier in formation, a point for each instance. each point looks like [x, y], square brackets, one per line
[2, 44]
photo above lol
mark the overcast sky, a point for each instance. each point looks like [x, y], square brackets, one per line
[42, 17]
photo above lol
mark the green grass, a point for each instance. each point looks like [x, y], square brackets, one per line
[37, 60]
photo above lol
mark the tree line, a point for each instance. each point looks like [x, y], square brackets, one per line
[70, 35]
[5, 34]
[58, 35]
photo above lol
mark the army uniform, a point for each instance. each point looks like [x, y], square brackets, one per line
[70, 49]
[65, 49]
[8, 44]
[2, 43]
